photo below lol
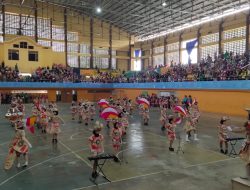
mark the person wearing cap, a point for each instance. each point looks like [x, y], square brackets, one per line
[96, 148]
[170, 130]
[223, 129]
[20, 144]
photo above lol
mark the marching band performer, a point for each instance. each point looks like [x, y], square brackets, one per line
[116, 135]
[163, 117]
[21, 144]
[92, 112]
[245, 150]
[170, 126]
[44, 119]
[73, 109]
[54, 128]
[145, 115]
[191, 125]
[85, 114]
[96, 148]
[223, 129]
[80, 112]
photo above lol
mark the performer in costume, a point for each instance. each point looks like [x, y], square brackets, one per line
[44, 119]
[170, 126]
[163, 117]
[54, 128]
[191, 125]
[85, 114]
[92, 112]
[223, 134]
[145, 115]
[73, 109]
[80, 112]
[96, 148]
[116, 135]
[245, 150]
[21, 144]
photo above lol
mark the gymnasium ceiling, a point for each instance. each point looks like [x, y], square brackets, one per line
[145, 17]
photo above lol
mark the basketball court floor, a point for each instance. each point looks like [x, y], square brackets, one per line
[147, 163]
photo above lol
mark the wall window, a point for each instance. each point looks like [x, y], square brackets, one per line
[84, 62]
[209, 50]
[101, 63]
[158, 60]
[73, 60]
[24, 45]
[27, 25]
[113, 65]
[33, 55]
[210, 38]
[57, 32]
[101, 51]
[173, 46]
[13, 54]
[44, 43]
[12, 23]
[193, 54]
[235, 33]
[173, 57]
[72, 36]
[72, 47]
[238, 46]
[43, 28]
[58, 46]
[158, 50]
[84, 48]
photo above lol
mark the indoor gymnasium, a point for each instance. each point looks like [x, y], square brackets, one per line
[124, 94]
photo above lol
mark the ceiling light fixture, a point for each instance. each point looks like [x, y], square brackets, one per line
[164, 4]
[198, 22]
[98, 9]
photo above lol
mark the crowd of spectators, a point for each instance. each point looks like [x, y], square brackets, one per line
[228, 66]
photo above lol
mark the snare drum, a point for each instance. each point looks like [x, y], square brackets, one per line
[8, 115]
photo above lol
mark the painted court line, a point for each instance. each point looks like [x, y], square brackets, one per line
[38, 164]
[120, 180]
[76, 155]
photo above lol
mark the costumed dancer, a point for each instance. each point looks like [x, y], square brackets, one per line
[96, 148]
[85, 114]
[44, 119]
[170, 126]
[13, 111]
[54, 128]
[223, 129]
[124, 121]
[80, 112]
[92, 112]
[116, 135]
[163, 117]
[245, 150]
[20, 145]
[145, 115]
[73, 109]
[191, 125]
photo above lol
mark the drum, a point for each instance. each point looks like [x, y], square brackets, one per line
[8, 115]
[55, 111]
[19, 114]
